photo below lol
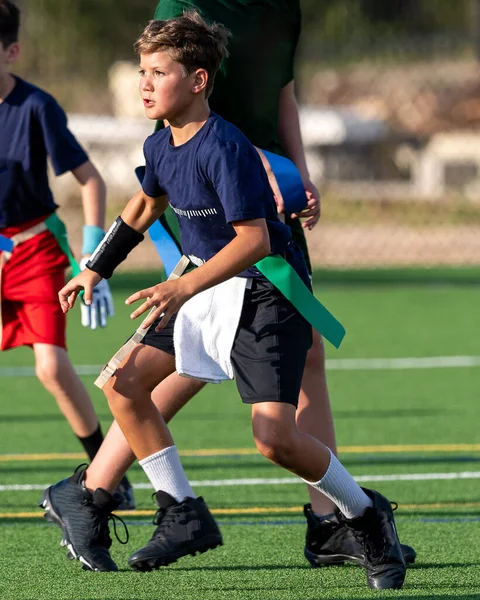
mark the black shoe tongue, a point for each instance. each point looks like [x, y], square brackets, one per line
[104, 499]
[164, 500]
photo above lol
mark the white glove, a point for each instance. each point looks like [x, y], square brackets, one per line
[101, 307]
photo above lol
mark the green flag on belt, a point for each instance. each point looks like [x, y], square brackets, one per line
[279, 272]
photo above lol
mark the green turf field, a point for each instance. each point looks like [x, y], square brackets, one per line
[418, 425]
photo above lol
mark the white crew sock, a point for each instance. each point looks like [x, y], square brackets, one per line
[342, 489]
[166, 473]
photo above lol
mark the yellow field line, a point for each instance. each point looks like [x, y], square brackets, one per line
[390, 448]
[410, 448]
[254, 510]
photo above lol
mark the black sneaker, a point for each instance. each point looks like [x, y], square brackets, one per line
[83, 518]
[183, 528]
[125, 490]
[327, 542]
[376, 534]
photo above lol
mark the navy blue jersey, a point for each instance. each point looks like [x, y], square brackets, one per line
[213, 180]
[32, 127]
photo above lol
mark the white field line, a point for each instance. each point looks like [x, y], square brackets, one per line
[424, 362]
[333, 364]
[277, 481]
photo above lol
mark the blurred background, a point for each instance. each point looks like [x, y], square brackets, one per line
[389, 95]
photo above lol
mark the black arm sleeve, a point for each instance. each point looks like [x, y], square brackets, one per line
[118, 242]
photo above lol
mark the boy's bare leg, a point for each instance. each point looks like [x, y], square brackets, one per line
[314, 413]
[129, 396]
[279, 440]
[365, 513]
[82, 510]
[184, 523]
[56, 373]
[115, 456]
[314, 416]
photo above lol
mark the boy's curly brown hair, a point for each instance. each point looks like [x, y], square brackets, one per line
[188, 40]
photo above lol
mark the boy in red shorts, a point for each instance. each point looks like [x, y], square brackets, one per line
[33, 242]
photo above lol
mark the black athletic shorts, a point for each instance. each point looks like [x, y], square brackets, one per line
[270, 347]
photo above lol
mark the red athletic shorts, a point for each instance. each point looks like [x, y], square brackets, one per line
[30, 282]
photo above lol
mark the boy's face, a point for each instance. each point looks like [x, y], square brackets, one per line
[166, 91]
[8, 56]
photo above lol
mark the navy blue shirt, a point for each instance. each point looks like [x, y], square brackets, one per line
[213, 180]
[32, 127]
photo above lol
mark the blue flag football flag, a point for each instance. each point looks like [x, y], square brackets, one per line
[6, 244]
[289, 182]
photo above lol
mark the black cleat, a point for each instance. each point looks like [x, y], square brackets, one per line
[376, 535]
[83, 518]
[327, 542]
[409, 554]
[125, 490]
[183, 528]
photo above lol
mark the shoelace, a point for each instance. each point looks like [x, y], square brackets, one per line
[81, 466]
[114, 518]
[371, 538]
[100, 525]
[164, 519]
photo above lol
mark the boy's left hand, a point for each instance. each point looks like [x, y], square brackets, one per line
[167, 298]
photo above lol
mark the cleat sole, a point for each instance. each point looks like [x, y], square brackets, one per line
[330, 560]
[148, 564]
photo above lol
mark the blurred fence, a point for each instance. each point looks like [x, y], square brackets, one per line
[391, 125]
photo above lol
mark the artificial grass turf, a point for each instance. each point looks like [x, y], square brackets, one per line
[425, 406]
[269, 565]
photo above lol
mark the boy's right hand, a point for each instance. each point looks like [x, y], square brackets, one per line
[101, 308]
[86, 281]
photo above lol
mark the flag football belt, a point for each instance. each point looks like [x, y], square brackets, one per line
[7, 244]
[279, 272]
[57, 229]
[127, 348]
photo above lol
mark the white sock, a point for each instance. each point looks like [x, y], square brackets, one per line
[166, 473]
[342, 489]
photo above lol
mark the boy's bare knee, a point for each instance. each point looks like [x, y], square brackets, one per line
[276, 448]
[121, 392]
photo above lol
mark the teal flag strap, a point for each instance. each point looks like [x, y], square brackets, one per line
[277, 270]
[59, 231]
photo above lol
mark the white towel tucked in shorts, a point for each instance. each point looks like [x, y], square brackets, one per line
[205, 330]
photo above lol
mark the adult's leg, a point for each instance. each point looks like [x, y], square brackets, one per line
[314, 413]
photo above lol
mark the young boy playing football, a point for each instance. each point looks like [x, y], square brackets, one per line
[32, 263]
[214, 180]
[265, 109]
